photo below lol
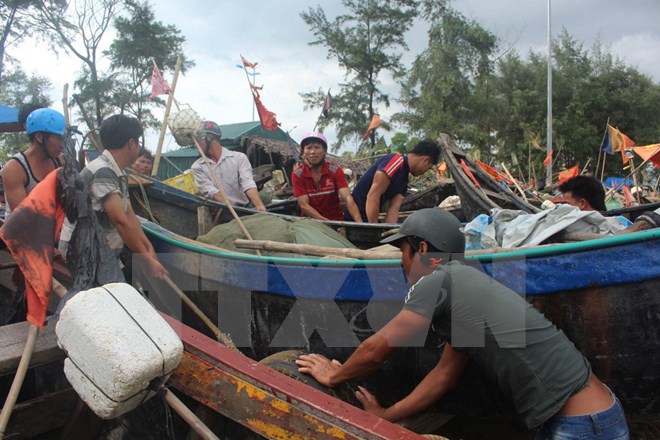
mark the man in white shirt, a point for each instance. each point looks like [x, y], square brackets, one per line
[231, 168]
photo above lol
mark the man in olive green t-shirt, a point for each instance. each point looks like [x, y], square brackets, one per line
[533, 363]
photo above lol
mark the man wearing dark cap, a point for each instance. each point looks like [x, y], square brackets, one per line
[231, 168]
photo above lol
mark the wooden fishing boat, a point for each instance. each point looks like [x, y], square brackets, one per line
[269, 304]
[478, 191]
[431, 197]
[177, 210]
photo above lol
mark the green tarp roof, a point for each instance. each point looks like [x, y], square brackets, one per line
[231, 134]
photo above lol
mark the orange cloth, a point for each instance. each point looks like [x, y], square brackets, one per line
[569, 174]
[30, 233]
[494, 173]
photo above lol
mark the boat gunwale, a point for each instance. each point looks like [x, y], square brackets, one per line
[501, 255]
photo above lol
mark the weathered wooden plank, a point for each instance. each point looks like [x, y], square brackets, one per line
[41, 414]
[265, 401]
[12, 341]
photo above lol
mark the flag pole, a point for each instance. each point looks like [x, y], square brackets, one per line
[322, 110]
[601, 145]
[250, 83]
[548, 178]
[163, 128]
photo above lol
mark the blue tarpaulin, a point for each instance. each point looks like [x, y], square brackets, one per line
[610, 182]
[9, 119]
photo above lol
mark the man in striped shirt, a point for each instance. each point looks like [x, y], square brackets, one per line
[387, 181]
[108, 187]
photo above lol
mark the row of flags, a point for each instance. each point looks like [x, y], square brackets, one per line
[268, 119]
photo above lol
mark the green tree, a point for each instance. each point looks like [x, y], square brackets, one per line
[588, 88]
[367, 42]
[19, 20]
[139, 38]
[449, 88]
[16, 89]
[80, 31]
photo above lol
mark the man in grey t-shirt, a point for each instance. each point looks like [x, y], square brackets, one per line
[532, 362]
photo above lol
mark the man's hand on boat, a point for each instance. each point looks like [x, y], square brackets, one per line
[319, 367]
[369, 402]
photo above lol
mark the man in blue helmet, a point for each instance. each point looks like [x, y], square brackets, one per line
[548, 382]
[45, 128]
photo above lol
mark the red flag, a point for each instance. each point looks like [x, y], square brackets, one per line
[650, 153]
[569, 174]
[467, 171]
[374, 124]
[246, 63]
[158, 85]
[548, 159]
[268, 119]
[30, 234]
[327, 104]
[494, 173]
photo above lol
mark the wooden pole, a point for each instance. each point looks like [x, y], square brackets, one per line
[611, 192]
[218, 185]
[163, 128]
[585, 166]
[308, 249]
[189, 417]
[90, 124]
[515, 182]
[602, 173]
[638, 193]
[226, 340]
[65, 104]
[16, 385]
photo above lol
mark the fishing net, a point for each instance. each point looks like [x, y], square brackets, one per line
[185, 124]
[275, 228]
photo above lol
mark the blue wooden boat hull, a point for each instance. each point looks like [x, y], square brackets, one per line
[604, 294]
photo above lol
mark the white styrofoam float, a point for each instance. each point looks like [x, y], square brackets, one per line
[116, 345]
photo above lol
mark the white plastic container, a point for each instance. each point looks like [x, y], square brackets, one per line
[116, 345]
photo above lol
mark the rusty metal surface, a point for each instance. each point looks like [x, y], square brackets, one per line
[267, 402]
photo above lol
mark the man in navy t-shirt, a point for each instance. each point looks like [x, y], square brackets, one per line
[387, 180]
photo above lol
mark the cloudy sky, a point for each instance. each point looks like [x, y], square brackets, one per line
[274, 35]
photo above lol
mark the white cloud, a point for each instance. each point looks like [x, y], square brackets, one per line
[274, 35]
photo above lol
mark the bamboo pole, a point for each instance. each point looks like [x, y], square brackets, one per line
[90, 124]
[584, 169]
[65, 104]
[308, 249]
[218, 185]
[226, 340]
[515, 182]
[615, 188]
[16, 385]
[163, 128]
[189, 417]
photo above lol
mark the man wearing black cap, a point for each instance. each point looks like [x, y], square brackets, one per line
[231, 168]
[547, 380]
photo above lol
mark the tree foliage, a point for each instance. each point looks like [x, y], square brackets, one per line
[139, 39]
[80, 28]
[450, 83]
[367, 42]
[16, 89]
[19, 20]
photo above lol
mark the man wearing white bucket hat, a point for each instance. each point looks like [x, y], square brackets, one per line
[232, 168]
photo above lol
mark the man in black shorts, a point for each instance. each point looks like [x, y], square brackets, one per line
[533, 363]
